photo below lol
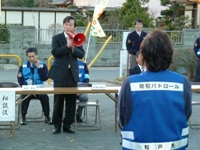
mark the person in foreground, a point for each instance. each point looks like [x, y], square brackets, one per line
[154, 106]
[64, 73]
[33, 72]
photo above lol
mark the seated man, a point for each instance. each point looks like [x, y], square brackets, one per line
[139, 67]
[33, 72]
[83, 78]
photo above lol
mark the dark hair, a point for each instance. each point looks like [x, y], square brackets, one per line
[137, 54]
[139, 21]
[157, 50]
[68, 18]
[30, 50]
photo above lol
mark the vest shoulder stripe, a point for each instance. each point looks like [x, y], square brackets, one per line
[149, 86]
[24, 65]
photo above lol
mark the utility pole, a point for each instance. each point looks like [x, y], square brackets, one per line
[198, 8]
[0, 9]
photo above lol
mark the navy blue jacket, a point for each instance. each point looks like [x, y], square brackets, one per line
[196, 46]
[134, 70]
[133, 41]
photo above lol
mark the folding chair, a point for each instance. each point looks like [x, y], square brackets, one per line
[86, 125]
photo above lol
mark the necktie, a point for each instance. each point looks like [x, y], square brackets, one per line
[32, 68]
[142, 69]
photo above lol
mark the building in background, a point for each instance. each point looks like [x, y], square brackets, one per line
[40, 18]
[192, 10]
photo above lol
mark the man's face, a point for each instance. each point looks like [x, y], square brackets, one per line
[139, 59]
[32, 57]
[69, 26]
[138, 26]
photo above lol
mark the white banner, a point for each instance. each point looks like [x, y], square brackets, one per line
[99, 9]
[7, 106]
[96, 29]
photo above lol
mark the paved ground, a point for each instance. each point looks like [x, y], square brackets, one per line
[38, 135]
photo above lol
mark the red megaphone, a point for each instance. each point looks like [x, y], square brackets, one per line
[78, 39]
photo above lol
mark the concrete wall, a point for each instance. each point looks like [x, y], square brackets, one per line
[189, 37]
[23, 37]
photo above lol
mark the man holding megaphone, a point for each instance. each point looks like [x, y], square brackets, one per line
[66, 49]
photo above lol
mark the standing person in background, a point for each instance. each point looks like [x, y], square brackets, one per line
[64, 73]
[83, 78]
[154, 106]
[197, 70]
[139, 67]
[133, 41]
[33, 72]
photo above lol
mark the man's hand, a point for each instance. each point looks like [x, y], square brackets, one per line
[70, 43]
[37, 63]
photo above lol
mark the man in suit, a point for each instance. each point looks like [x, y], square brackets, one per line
[139, 67]
[64, 73]
[133, 41]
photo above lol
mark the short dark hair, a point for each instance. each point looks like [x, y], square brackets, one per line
[68, 18]
[137, 54]
[139, 21]
[30, 50]
[157, 50]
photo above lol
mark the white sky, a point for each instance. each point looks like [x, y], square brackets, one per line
[155, 7]
[111, 3]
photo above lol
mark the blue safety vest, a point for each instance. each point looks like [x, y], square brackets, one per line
[26, 71]
[158, 121]
[82, 75]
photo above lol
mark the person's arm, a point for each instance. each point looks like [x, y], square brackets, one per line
[43, 72]
[187, 98]
[196, 45]
[132, 43]
[124, 104]
[78, 52]
[57, 48]
[20, 77]
[128, 43]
